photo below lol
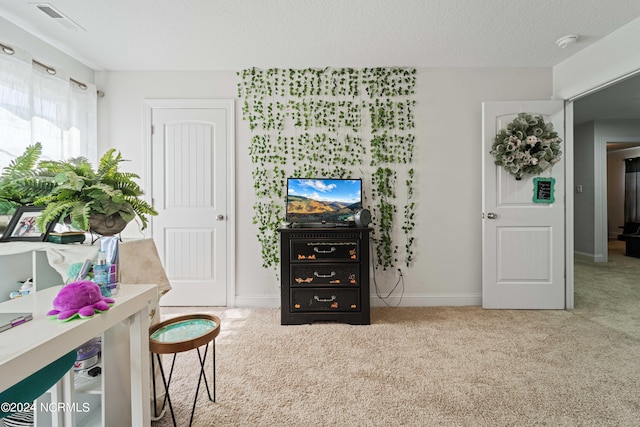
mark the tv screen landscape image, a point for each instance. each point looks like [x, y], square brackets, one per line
[328, 201]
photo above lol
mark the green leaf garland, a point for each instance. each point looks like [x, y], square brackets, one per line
[333, 123]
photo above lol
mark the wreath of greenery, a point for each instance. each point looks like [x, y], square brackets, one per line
[528, 146]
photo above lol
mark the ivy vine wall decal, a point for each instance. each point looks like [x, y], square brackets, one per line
[334, 123]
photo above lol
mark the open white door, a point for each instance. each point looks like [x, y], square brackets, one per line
[523, 253]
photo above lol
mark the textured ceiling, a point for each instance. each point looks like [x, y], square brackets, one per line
[181, 35]
[235, 34]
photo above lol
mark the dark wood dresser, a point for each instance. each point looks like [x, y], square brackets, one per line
[324, 275]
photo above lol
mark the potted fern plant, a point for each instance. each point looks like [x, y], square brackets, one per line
[102, 201]
[11, 195]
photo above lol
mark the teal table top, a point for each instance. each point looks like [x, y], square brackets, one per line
[183, 333]
[183, 330]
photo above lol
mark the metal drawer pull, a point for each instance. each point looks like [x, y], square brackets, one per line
[315, 273]
[320, 251]
[317, 298]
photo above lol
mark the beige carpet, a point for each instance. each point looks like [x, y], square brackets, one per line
[445, 366]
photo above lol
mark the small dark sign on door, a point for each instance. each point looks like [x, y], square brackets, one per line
[543, 189]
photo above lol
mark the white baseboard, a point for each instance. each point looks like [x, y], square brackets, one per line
[265, 301]
[590, 257]
[418, 300]
[432, 300]
[585, 255]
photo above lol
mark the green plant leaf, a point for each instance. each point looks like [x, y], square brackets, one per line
[323, 130]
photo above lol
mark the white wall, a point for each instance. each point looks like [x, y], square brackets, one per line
[610, 131]
[613, 57]
[583, 174]
[448, 165]
[41, 51]
[448, 232]
[591, 207]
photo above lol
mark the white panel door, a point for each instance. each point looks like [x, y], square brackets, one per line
[189, 192]
[523, 250]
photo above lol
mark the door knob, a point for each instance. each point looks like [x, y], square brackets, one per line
[492, 215]
[220, 217]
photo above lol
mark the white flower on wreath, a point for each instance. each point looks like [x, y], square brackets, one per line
[527, 146]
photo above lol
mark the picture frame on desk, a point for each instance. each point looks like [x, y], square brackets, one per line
[22, 226]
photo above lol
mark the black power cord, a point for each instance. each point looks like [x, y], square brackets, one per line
[395, 286]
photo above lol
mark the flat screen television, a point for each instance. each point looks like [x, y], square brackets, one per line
[318, 202]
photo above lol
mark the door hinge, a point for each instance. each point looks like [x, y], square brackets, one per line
[153, 130]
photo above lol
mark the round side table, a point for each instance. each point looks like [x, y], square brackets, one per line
[183, 333]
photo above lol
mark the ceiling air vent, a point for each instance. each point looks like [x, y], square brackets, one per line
[58, 16]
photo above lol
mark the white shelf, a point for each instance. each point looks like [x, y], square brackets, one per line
[20, 263]
[23, 260]
[84, 384]
[124, 330]
[93, 418]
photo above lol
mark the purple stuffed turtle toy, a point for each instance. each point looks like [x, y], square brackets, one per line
[79, 299]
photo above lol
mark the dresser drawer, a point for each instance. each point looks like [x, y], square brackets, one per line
[325, 275]
[302, 251]
[325, 299]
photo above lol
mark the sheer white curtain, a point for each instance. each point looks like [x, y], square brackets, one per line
[36, 106]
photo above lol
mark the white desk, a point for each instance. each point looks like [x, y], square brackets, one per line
[31, 346]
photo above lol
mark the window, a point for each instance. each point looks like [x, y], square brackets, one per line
[36, 106]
